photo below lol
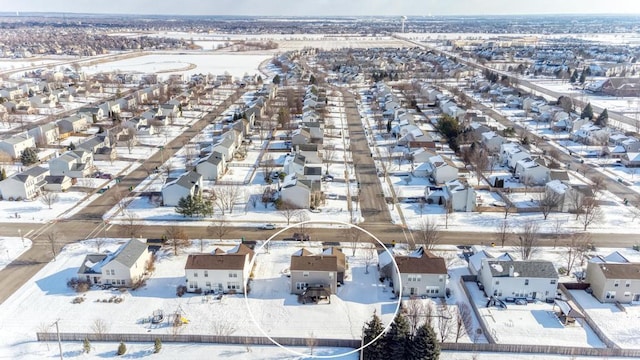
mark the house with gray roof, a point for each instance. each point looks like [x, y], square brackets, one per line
[188, 184]
[45, 134]
[15, 145]
[25, 185]
[212, 167]
[613, 278]
[74, 163]
[532, 279]
[124, 267]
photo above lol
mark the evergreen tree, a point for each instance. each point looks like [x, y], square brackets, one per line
[371, 330]
[202, 207]
[397, 339]
[3, 174]
[603, 118]
[29, 156]
[157, 346]
[583, 77]
[86, 346]
[186, 206]
[72, 146]
[574, 76]
[276, 79]
[312, 79]
[587, 112]
[424, 345]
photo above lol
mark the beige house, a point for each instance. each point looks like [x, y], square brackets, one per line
[221, 271]
[124, 267]
[421, 274]
[614, 282]
[313, 270]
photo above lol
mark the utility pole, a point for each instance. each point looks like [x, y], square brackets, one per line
[59, 342]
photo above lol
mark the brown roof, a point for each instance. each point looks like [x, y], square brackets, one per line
[242, 249]
[314, 263]
[334, 251]
[215, 262]
[421, 262]
[621, 271]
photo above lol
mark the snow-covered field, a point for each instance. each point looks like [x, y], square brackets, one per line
[12, 247]
[68, 203]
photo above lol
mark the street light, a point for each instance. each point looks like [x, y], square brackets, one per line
[21, 237]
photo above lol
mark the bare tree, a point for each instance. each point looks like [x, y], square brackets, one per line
[367, 256]
[268, 165]
[100, 328]
[591, 212]
[121, 199]
[132, 139]
[329, 155]
[503, 231]
[528, 239]
[415, 310]
[464, 320]
[428, 233]
[576, 248]
[132, 227]
[548, 201]
[445, 321]
[52, 238]
[480, 160]
[226, 197]
[176, 238]
[558, 230]
[49, 198]
[301, 217]
[99, 242]
[288, 211]
[311, 342]
[508, 205]
[352, 235]
[224, 326]
[527, 180]
[598, 184]
[218, 227]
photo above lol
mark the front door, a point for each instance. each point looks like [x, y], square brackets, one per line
[413, 291]
[636, 297]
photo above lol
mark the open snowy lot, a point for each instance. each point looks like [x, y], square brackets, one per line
[12, 247]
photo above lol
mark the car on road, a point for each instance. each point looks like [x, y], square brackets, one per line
[328, 178]
[267, 226]
[332, 196]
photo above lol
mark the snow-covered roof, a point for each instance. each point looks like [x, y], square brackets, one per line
[557, 186]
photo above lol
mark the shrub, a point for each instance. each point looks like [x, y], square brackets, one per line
[122, 349]
[86, 346]
[180, 290]
[157, 346]
[78, 284]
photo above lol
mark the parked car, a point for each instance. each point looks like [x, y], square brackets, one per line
[301, 237]
[328, 178]
[267, 226]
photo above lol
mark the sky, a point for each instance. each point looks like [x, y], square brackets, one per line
[326, 7]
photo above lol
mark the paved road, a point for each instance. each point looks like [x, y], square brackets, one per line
[371, 199]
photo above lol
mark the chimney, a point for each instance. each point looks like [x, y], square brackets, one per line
[510, 270]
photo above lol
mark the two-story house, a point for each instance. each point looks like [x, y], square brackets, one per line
[225, 272]
[188, 184]
[534, 279]
[25, 185]
[313, 271]
[614, 280]
[124, 267]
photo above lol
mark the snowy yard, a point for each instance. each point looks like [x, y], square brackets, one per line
[12, 247]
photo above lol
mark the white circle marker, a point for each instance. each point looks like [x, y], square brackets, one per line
[252, 262]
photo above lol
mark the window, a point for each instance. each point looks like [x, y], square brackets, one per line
[233, 286]
[627, 293]
[441, 278]
[610, 295]
[553, 282]
[195, 274]
[627, 283]
[206, 273]
[497, 282]
[208, 284]
[526, 282]
[192, 285]
[305, 273]
[233, 275]
[414, 277]
[301, 285]
[616, 283]
[330, 275]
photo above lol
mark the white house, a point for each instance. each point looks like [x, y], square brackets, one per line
[224, 272]
[535, 279]
[511, 153]
[74, 163]
[15, 145]
[492, 141]
[298, 193]
[443, 169]
[25, 185]
[226, 146]
[45, 134]
[72, 124]
[532, 171]
[188, 184]
[125, 267]
[211, 167]
[462, 196]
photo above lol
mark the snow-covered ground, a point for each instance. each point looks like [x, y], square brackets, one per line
[12, 247]
[68, 203]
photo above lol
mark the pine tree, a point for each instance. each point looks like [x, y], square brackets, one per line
[397, 339]
[587, 112]
[574, 76]
[186, 206]
[583, 76]
[3, 174]
[424, 345]
[276, 79]
[371, 330]
[29, 156]
[157, 346]
[86, 346]
[603, 118]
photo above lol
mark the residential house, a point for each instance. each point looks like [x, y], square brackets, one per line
[421, 274]
[188, 184]
[300, 136]
[313, 270]
[95, 143]
[57, 183]
[25, 185]
[45, 134]
[534, 279]
[475, 260]
[462, 196]
[614, 281]
[15, 145]
[568, 196]
[74, 163]
[226, 146]
[299, 193]
[532, 172]
[125, 267]
[492, 141]
[95, 113]
[631, 159]
[212, 167]
[511, 153]
[224, 272]
[72, 124]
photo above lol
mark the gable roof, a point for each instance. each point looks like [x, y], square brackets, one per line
[620, 271]
[523, 269]
[128, 254]
[421, 261]
[216, 261]
[314, 263]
